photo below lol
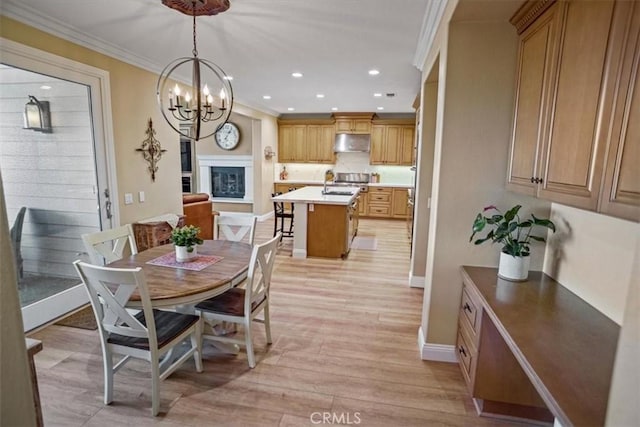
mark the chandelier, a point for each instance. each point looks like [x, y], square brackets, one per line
[201, 108]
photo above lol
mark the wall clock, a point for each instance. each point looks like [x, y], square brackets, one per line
[228, 136]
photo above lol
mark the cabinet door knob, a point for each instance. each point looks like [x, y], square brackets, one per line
[466, 307]
[461, 351]
[533, 180]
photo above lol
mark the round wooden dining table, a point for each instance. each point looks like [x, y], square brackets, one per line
[172, 287]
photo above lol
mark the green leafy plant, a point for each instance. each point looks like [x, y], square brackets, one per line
[186, 236]
[509, 230]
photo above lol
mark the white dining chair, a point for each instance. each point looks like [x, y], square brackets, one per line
[235, 227]
[107, 246]
[242, 305]
[147, 335]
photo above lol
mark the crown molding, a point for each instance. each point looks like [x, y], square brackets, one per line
[34, 18]
[430, 22]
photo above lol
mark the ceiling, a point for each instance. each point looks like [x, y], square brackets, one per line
[334, 43]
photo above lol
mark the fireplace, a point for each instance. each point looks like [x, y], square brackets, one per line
[227, 181]
[226, 178]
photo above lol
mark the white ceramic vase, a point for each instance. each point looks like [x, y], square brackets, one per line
[183, 255]
[513, 268]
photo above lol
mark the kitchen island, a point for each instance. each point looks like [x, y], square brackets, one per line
[325, 224]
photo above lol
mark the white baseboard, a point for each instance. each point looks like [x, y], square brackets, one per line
[416, 281]
[299, 253]
[436, 352]
[265, 217]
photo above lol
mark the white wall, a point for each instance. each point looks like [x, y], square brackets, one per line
[592, 255]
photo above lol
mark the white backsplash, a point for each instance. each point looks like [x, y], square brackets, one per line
[346, 162]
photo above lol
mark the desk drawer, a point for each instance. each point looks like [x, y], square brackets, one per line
[469, 310]
[466, 354]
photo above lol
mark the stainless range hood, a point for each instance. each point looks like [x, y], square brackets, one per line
[350, 143]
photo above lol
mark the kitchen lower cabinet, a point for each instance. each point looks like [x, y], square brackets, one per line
[379, 200]
[574, 64]
[400, 203]
[329, 231]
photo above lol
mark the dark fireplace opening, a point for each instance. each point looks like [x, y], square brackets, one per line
[227, 182]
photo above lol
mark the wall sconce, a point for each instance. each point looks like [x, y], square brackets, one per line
[268, 152]
[37, 116]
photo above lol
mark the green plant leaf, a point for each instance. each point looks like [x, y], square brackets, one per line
[494, 219]
[538, 239]
[525, 224]
[544, 223]
[511, 213]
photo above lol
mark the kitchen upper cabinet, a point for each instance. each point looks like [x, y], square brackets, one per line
[568, 67]
[392, 144]
[621, 190]
[291, 143]
[306, 142]
[534, 65]
[355, 123]
[320, 141]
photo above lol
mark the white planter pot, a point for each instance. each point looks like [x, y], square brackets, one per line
[182, 255]
[513, 268]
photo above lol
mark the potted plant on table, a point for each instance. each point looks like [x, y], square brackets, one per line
[185, 239]
[515, 236]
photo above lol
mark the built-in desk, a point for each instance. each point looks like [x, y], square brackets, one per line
[534, 349]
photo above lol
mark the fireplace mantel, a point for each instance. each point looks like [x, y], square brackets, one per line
[206, 162]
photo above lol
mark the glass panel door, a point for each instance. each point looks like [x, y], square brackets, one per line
[54, 184]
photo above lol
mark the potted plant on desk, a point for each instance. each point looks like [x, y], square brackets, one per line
[185, 239]
[515, 237]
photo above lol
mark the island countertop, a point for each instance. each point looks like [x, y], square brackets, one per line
[314, 195]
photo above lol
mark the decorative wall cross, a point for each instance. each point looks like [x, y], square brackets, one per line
[151, 150]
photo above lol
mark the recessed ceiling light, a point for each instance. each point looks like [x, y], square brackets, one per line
[45, 87]
[228, 77]
[290, 109]
[380, 108]
[334, 108]
[320, 95]
[296, 75]
[374, 72]
[377, 95]
[266, 97]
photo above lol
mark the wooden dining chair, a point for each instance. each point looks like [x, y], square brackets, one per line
[147, 335]
[242, 305]
[235, 227]
[107, 246]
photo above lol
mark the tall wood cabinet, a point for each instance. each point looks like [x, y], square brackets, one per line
[306, 142]
[621, 190]
[569, 83]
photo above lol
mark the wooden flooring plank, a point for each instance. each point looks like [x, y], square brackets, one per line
[345, 340]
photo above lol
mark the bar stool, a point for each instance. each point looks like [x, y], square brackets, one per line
[282, 214]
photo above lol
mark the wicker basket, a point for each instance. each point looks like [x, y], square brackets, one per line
[152, 234]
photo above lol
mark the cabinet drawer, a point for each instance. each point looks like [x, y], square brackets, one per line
[380, 197]
[379, 190]
[466, 357]
[379, 210]
[469, 311]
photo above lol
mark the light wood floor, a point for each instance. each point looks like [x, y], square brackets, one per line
[345, 343]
